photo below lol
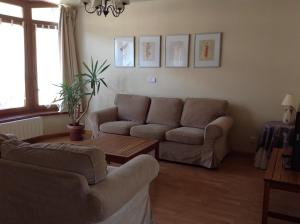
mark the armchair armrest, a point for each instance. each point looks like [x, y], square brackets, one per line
[124, 183]
[99, 117]
[218, 128]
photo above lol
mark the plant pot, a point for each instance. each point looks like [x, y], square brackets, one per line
[76, 132]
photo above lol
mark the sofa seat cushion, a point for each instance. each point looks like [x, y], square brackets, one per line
[132, 107]
[153, 131]
[186, 135]
[84, 160]
[166, 111]
[118, 127]
[198, 113]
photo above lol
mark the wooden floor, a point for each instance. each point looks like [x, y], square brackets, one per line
[193, 195]
[230, 195]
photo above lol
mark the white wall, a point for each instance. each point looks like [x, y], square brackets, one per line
[260, 60]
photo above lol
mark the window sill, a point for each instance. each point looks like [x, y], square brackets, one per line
[30, 115]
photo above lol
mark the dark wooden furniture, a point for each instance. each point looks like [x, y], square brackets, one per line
[117, 148]
[277, 177]
[274, 134]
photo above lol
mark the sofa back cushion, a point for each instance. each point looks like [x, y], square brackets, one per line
[2, 139]
[87, 161]
[166, 111]
[200, 112]
[5, 137]
[132, 107]
[38, 195]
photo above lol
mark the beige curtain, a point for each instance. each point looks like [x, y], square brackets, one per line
[67, 41]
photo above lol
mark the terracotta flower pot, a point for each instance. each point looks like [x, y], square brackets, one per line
[76, 132]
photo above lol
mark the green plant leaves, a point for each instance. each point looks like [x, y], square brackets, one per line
[93, 73]
[71, 95]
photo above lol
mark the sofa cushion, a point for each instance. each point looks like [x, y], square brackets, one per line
[153, 131]
[117, 127]
[165, 111]
[4, 137]
[200, 112]
[132, 107]
[186, 135]
[85, 160]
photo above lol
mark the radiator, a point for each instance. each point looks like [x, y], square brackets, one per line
[24, 129]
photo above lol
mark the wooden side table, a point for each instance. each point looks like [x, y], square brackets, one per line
[277, 177]
[274, 134]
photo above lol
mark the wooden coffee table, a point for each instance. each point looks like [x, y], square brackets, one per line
[118, 148]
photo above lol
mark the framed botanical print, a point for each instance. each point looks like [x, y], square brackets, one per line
[207, 50]
[124, 51]
[149, 51]
[177, 51]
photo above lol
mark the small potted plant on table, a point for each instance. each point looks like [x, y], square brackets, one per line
[71, 96]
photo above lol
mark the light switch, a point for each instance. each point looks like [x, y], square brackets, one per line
[151, 79]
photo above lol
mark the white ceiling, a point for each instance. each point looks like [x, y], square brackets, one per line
[75, 2]
[67, 2]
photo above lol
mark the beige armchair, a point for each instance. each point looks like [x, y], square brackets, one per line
[68, 184]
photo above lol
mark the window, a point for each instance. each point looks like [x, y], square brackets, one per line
[48, 69]
[45, 14]
[12, 84]
[29, 57]
[47, 52]
[11, 10]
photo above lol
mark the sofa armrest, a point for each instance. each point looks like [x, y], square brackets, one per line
[218, 128]
[99, 117]
[124, 183]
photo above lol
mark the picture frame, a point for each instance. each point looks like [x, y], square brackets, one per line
[149, 51]
[124, 48]
[207, 50]
[177, 51]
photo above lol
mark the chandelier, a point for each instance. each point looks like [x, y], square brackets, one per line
[116, 7]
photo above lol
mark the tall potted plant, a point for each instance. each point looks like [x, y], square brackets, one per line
[85, 85]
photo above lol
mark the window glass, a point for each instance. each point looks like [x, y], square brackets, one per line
[12, 66]
[46, 14]
[11, 10]
[13, 84]
[48, 65]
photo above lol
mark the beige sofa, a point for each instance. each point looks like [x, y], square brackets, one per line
[193, 131]
[68, 184]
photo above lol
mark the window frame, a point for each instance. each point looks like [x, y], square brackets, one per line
[31, 87]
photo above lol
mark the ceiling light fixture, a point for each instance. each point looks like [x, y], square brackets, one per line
[116, 7]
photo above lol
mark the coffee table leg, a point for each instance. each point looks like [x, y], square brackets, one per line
[266, 202]
[157, 151]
